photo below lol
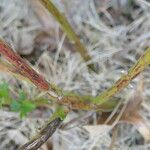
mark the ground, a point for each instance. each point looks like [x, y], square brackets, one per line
[115, 32]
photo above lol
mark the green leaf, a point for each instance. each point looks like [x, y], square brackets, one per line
[4, 90]
[22, 105]
[27, 106]
[60, 112]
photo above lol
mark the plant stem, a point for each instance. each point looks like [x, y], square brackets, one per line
[22, 68]
[47, 131]
[141, 64]
[65, 25]
[101, 101]
[43, 136]
[70, 99]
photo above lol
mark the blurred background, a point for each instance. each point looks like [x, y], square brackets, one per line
[115, 33]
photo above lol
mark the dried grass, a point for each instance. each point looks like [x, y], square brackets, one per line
[114, 49]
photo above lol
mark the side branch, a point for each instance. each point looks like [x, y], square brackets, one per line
[43, 136]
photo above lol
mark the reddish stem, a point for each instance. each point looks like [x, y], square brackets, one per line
[22, 67]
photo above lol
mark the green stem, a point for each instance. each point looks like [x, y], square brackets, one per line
[141, 64]
[68, 30]
[74, 101]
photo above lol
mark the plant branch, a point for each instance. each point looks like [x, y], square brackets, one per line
[22, 68]
[134, 71]
[43, 136]
[70, 99]
[47, 131]
[101, 101]
[65, 25]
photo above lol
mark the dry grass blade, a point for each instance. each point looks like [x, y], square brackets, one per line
[68, 30]
[130, 114]
[141, 125]
[114, 137]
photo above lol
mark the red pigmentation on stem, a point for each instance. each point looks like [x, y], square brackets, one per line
[22, 67]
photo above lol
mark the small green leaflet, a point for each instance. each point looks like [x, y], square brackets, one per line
[22, 105]
[4, 94]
